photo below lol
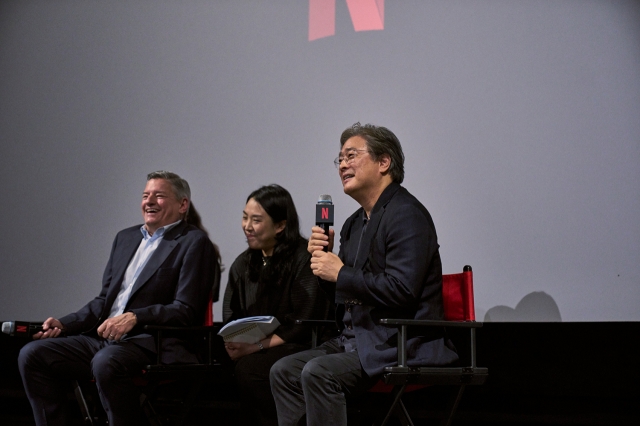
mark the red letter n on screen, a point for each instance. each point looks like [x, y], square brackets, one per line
[366, 15]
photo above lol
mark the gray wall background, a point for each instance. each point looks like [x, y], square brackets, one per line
[520, 122]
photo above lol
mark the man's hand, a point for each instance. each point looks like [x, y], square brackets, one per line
[319, 240]
[116, 327]
[237, 350]
[326, 265]
[50, 328]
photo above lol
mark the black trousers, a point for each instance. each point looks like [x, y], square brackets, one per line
[316, 382]
[252, 380]
[48, 366]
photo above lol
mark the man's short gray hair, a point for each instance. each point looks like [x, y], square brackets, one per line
[180, 186]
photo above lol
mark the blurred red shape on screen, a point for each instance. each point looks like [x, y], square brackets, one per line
[366, 15]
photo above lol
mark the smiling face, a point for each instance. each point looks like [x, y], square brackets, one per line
[361, 178]
[160, 206]
[259, 228]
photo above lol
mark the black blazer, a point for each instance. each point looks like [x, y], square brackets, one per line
[397, 274]
[172, 289]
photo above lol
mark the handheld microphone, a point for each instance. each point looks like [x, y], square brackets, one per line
[20, 328]
[324, 214]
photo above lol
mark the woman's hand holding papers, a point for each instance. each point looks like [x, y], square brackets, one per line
[237, 350]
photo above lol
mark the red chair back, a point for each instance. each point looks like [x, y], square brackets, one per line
[208, 317]
[457, 296]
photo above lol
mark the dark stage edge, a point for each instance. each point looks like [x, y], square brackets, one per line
[576, 374]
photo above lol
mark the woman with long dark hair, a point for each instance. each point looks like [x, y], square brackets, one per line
[272, 277]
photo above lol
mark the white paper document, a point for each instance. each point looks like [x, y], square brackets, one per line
[249, 330]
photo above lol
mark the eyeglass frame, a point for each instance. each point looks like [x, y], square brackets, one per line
[352, 154]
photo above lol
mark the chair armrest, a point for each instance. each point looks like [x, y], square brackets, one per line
[402, 324]
[316, 323]
[206, 330]
[186, 329]
[392, 322]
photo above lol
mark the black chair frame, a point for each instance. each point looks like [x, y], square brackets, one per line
[154, 375]
[401, 375]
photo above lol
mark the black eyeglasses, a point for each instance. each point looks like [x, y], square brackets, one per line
[349, 157]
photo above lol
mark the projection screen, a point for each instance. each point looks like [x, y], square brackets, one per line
[520, 123]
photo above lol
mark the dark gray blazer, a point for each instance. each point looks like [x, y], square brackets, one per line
[172, 289]
[397, 274]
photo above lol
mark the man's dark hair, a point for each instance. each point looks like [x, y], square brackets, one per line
[277, 202]
[380, 141]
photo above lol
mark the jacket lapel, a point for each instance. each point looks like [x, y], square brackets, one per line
[374, 222]
[125, 254]
[166, 246]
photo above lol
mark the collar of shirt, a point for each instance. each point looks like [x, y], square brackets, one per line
[159, 232]
[147, 247]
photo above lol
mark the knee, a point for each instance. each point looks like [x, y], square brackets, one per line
[312, 370]
[99, 365]
[105, 366]
[315, 375]
[276, 369]
[30, 355]
[280, 370]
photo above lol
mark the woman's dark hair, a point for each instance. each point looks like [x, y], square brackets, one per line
[193, 218]
[277, 202]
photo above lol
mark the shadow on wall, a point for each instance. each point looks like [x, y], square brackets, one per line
[534, 307]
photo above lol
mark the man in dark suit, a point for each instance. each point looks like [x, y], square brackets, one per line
[160, 273]
[388, 267]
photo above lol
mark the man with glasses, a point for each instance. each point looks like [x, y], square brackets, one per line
[388, 267]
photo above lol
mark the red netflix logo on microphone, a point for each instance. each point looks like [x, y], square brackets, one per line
[324, 214]
[366, 15]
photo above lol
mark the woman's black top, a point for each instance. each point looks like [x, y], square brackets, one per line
[294, 295]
